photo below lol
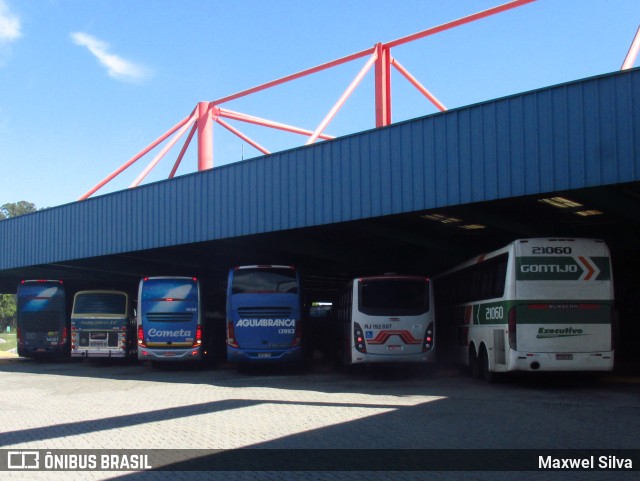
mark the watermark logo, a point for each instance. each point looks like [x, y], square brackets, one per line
[23, 460]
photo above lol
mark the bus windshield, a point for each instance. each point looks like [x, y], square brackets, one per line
[393, 296]
[260, 279]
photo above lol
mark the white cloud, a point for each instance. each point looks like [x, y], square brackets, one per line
[116, 66]
[9, 24]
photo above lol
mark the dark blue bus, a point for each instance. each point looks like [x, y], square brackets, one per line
[169, 319]
[43, 325]
[264, 314]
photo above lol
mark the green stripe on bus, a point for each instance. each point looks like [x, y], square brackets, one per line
[543, 312]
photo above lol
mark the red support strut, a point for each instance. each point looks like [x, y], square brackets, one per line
[206, 113]
[205, 137]
[383, 86]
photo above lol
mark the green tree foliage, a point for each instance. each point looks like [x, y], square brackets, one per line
[14, 209]
[7, 311]
[8, 301]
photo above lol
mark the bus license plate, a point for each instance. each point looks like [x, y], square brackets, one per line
[395, 347]
[564, 357]
[169, 354]
[264, 354]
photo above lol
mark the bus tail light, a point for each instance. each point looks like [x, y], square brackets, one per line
[231, 335]
[297, 338]
[358, 337]
[512, 329]
[428, 339]
[63, 341]
[141, 337]
[198, 341]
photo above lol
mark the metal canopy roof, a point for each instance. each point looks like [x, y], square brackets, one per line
[357, 204]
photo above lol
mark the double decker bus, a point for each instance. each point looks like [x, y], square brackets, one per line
[264, 314]
[386, 319]
[169, 320]
[43, 326]
[533, 305]
[102, 325]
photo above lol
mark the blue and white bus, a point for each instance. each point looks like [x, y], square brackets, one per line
[169, 319]
[43, 326]
[264, 314]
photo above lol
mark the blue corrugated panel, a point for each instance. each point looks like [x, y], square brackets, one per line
[580, 134]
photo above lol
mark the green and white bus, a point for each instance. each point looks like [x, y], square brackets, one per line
[533, 305]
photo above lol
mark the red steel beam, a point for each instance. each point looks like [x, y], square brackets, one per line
[383, 86]
[230, 114]
[632, 54]
[242, 136]
[205, 137]
[135, 158]
[458, 22]
[288, 78]
[417, 85]
[162, 152]
[343, 98]
[185, 146]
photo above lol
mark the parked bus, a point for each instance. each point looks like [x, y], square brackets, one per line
[264, 314]
[534, 305]
[169, 319]
[42, 319]
[386, 319]
[102, 325]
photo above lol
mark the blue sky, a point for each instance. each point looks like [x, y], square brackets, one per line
[86, 84]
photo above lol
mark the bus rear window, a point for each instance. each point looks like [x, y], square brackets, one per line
[268, 280]
[100, 303]
[389, 297]
[38, 291]
[169, 289]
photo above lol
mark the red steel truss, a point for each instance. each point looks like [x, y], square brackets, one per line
[202, 118]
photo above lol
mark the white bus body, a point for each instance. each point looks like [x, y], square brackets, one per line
[386, 319]
[534, 305]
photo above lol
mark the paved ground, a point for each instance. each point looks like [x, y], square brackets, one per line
[91, 405]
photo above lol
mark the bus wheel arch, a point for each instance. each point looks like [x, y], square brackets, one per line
[475, 368]
[485, 368]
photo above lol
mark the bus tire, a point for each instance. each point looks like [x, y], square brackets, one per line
[475, 370]
[487, 374]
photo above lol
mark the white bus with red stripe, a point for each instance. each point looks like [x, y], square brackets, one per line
[533, 305]
[386, 319]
